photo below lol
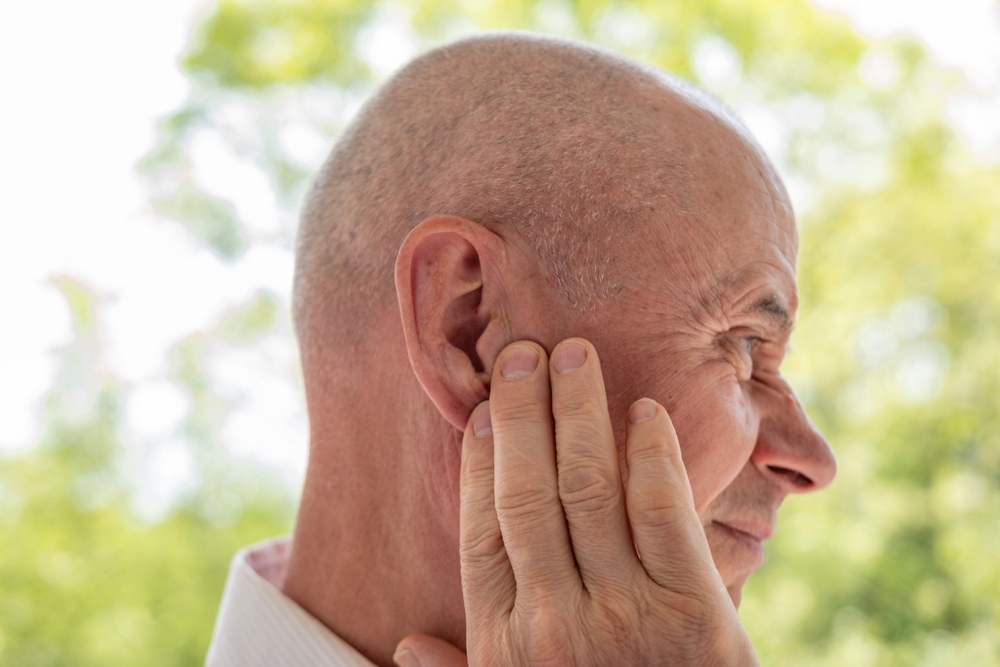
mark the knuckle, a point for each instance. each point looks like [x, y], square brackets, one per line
[579, 405]
[476, 484]
[618, 628]
[675, 525]
[654, 465]
[664, 505]
[516, 499]
[661, 507]
[513, 414]
[477, 471]
[586, 487]
[694, 627]
[655, 451]
[581, 437]
[651, 449]
[694, 612]
[481, 543]
[548, 637]
[692, 616]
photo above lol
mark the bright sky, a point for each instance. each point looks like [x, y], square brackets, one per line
[85, 85]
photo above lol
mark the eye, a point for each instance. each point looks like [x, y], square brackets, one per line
[744, 353]
[749, 358]
[750, 343]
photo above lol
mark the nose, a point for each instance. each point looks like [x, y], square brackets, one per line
[790, 450]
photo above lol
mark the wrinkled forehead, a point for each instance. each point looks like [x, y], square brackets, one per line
[703, 128]
[725, 220]
[736, 203]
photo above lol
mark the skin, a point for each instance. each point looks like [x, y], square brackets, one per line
[561, 562]
[700, 329]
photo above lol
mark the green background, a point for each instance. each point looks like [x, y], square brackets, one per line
[896, 353]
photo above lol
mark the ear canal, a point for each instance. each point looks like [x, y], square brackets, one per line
[466, 326]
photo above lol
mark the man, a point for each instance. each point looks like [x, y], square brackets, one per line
[605, 254]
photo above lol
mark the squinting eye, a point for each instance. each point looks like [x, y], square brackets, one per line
[750, 343]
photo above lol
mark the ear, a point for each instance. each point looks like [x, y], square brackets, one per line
[451, 315]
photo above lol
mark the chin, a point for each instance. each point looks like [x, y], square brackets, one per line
[735, 594]
[734, 580]
[736, 557]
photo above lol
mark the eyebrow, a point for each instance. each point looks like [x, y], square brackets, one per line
[770, 307]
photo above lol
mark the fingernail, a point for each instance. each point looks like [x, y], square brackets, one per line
[568, 357]
[518, 362]
[642, 410]
[405, 658]
[481, 424]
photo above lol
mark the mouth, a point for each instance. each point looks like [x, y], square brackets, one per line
[757, 529]
[748, 535]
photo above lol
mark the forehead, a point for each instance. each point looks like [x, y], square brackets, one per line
[726, 234]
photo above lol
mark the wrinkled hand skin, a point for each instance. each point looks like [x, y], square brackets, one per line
[563, 563]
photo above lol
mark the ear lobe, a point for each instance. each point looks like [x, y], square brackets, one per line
[445, 312]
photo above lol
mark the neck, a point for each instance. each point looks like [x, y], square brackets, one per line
[375, 555]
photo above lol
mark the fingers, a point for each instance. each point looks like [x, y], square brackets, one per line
[668, 534]
[427, 651]
[527, 495]
[487, 578]
[590, 482]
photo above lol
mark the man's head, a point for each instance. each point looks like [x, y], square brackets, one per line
[529, 188]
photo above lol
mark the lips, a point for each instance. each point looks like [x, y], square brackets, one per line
[748, 536]
[752, 527]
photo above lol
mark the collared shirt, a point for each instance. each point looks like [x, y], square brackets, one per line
[258, 625]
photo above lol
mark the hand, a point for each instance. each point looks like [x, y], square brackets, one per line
[562, 562]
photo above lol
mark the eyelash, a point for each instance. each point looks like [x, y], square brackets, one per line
[751, 342]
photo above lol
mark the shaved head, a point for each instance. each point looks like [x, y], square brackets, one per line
[559, 143]
[508, 188]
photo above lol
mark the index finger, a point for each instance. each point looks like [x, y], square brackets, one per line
[487, 578]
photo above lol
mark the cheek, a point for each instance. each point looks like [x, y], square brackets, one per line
[716, 425]
[714, 417]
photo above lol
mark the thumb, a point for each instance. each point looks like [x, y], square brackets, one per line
[427, 651]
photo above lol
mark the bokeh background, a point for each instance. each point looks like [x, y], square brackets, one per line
[153, 157]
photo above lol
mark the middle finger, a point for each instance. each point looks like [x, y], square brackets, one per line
[590, 482]
[527, 494]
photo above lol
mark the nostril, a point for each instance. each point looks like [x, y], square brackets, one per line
[793, 477]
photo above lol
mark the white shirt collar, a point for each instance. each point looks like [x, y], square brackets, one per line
[258, 625]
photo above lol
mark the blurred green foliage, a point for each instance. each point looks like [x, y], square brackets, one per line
[213, 221]
[85, 579]
[896, 352]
